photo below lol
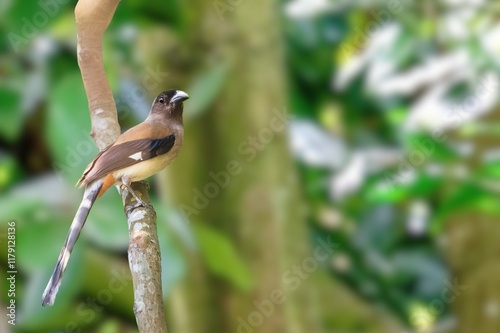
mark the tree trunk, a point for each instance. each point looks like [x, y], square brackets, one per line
[260, 210]
[473, 252]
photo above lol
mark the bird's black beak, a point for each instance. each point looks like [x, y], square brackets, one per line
[180, 96]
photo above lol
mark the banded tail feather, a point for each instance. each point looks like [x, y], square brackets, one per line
[91, 193]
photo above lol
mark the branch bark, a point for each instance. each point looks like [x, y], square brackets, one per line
[92, 19]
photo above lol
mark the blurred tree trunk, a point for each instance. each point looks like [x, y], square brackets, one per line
[473, 252]
[260, 211]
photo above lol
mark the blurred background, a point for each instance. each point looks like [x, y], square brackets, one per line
[339, 172]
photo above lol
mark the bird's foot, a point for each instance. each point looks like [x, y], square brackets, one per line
[138, 204]
[139, 201]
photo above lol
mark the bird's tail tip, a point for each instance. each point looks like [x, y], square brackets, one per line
[49, 295]
[48, 300]
[91, 193]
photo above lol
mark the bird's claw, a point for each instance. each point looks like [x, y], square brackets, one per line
[138, 204]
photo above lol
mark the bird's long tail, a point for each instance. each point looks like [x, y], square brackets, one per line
[90, 195]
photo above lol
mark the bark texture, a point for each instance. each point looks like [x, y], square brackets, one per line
[92, 19]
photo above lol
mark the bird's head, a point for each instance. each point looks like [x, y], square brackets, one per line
[169, 104]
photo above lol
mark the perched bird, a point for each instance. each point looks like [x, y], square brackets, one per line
[137, 154]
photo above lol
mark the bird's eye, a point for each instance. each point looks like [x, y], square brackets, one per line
[161, 100]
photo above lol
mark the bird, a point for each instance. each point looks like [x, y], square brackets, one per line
[137, 154]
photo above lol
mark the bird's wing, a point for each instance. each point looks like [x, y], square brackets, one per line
[122, 155]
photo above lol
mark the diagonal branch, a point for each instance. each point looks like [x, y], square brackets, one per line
[92, 19]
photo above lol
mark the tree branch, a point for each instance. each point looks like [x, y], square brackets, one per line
[92, 19]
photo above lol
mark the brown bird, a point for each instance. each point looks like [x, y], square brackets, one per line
[137, 154]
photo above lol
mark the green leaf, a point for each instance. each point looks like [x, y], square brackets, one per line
[385, 192]
[429, 148]
[35, 318]
[397, 115]
[468, 196]
[32, 236]
[19, 18]
[173, 264]
[205, 89]
[490, 170]
[67, 128]
[26, 20]
[221, 257]
[463, 197]
[110, 326]
[107, 223]
[10, 171]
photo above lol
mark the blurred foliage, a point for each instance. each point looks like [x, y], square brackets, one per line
[386, 204]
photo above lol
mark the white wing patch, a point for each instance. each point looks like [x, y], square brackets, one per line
[137, 156]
